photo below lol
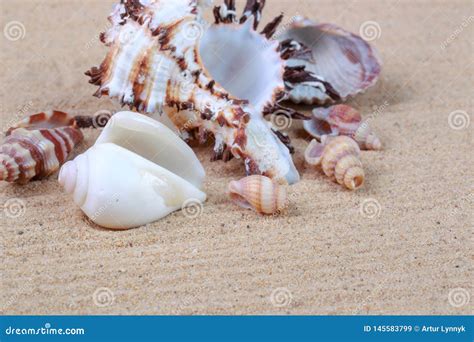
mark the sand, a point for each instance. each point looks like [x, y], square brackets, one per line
[324, 256]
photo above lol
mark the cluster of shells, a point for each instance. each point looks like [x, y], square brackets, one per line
[194, 79]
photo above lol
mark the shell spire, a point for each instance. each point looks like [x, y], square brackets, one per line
[37, 146]
[35, 154]
[339, 158]
[342, 120]
[259, 193]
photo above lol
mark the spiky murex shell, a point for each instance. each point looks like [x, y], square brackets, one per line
[154, 66]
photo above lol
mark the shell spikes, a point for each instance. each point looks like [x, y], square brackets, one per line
[37, 146]
[342, 120]
[162, 61]
[259, 193]
[340, 160]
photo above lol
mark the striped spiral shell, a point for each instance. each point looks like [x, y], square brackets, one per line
[339, 158]
[37, 146]
[259, 193]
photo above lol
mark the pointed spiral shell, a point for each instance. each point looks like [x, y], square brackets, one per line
[35, 154]
[339, 158]
[259, 193]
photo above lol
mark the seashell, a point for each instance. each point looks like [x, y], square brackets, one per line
[137, 172]
[165, 60]
[339, 158]
[155, 142]
[342, 59]
[45, 120]
[119, 189]
[342, 120]
[260, 193]
[37, 146]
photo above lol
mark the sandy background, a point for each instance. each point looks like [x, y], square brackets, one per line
[324, 256]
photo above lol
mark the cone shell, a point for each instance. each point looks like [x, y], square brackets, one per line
[339, 158]
[342, 120]
[259, 193]
[35, 154]
[119, 189]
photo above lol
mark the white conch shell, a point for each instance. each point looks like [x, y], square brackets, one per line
[159, 63]
[155, 142]
[137, 172]
[119, 189]
[344, 60]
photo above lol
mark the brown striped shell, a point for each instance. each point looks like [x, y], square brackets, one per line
[37, 146]
[259, 193]
[342, 120]
[339, 158]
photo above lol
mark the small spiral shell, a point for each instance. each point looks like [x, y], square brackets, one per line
[339, 158]
[33, 149]
[259, 193]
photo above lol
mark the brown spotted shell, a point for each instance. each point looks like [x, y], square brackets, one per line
[37, 146]
[259, 193]
[339, 158]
